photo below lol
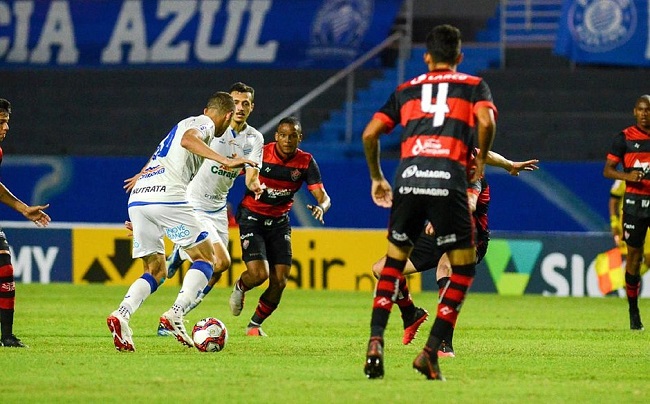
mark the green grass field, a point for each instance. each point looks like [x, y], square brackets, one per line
[509, 349]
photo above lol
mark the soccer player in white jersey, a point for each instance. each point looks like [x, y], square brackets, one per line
[158, 207]
[209, 189]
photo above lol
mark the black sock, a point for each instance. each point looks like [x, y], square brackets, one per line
[7, 320]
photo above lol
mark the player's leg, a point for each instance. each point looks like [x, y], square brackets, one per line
[269, 300]
[257, 267]
[148, 245]
[634, 236]
[443, 275]
[183, 227]
[279, 255]
[7, 297]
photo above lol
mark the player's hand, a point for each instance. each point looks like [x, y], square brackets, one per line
[129, 183]
[528, 165]
[317, 212]
[428, 229]
[479, 170]
[36, 215]
[237, 162]
[257, 189]
[635, 176]
[129, 227]
[382, 193]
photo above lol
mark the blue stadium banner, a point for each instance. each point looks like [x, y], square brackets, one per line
[233, 33]
[608, 32]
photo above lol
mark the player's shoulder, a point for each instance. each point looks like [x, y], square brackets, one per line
[252, 133]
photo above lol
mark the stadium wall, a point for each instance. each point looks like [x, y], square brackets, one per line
[549, 264]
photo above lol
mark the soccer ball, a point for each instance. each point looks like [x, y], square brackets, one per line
[210, 335]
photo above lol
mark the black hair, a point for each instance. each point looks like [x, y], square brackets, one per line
[242, 88]
[443, 43]
[5, 106]
[291, 120]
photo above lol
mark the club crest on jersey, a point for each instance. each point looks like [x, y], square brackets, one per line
[295, 175]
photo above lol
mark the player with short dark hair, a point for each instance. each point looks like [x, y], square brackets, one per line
[264, 227]
[7, 282]
[426, 254]
[208, 190]
[158, 207]
[631, 149]
[440, 111]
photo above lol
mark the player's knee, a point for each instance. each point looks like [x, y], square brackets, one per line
[222, 264]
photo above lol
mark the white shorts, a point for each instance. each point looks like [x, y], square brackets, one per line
[152, 222]
[216, 224]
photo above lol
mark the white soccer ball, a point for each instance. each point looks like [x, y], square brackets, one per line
[210, 335]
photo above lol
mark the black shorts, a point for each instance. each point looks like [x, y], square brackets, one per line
[426, 253]
[449, 215]
[634, 230]
[264, 238]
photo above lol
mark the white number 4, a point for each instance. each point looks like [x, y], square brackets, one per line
[440, 108]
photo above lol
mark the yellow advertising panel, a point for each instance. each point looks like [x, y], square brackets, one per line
[323, 259]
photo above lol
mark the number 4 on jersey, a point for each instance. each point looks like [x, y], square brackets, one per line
[440, 108]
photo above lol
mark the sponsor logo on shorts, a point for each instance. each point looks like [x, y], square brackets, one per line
[178, 232]
[399, 236]
[448, 239]
[424, 191]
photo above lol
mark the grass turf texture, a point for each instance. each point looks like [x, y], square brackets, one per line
[509, 349]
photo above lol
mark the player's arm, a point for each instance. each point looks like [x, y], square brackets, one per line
[129, 183]
[610, 171]
[192, 142]
[33, 213]
[486, 132]
[324, 203]
[381, 191]
[253, 181]
[513, 167]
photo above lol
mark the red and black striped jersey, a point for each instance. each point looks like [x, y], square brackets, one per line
[631, 148]
[282, 178]
[437, 110]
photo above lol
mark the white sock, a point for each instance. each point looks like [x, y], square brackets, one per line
[193, 284]
[137, 293]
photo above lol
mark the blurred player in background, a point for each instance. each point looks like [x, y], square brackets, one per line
[7, 282]
[440, 112]
[264, 226]
[208, 190]
[427, 255]
[158, 207]
[631, 149]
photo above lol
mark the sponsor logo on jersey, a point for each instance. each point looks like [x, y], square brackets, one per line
[412, 170]
[430, 147]
[277, 193]
[151, 171]
[151, 189]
